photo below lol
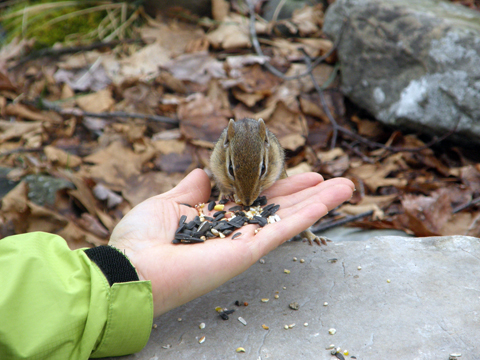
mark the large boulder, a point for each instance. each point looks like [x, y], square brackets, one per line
[411, 63]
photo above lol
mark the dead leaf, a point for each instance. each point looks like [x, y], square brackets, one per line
[299, 169]
[115, 164]
[24, 112]
[97, 102]
[150, 184]
[18, 129]
[198, 67]
[232, 33]
[61, 157]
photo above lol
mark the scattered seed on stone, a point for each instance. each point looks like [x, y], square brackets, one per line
[265, 300]
[332, 331]
[325, 304]
[305, 324]
[240, 349]
[330, 347]
[294, 305]
[154, 326]
[202, 326]
[334, 260]
[286, 271]
[339, 355]
[276, 296]
[242, 320]
[302, 261]
[179, 319]
[359, 268]
[201, 340]
[236, 235]
[261, 261]
[294, 258]
[286, 327]
[265, 327]
[388, 281]
[345, 352]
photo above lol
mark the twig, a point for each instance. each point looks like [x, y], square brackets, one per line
[104, 115]
[465, 206]
[70, 50]
[334, 223]
[270, 67]
[326, 110]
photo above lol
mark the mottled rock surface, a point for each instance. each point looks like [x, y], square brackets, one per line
[411, 63]
[428, 310]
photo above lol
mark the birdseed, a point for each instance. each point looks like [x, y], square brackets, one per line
[223, 223]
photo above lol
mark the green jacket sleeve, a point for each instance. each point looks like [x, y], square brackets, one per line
[56, 303]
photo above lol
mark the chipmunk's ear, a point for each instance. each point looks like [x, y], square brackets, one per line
[230, 132]
[262, 130]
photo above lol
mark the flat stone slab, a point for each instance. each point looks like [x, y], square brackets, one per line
[413, 298]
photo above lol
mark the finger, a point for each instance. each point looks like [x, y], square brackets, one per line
[194, 189]
[300, 217]
[324, 188]
[293, 184]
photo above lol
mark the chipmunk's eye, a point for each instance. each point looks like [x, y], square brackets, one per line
[230, 170]
[262, 169]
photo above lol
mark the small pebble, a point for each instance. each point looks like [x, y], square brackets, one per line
[294, 305]
[201, 340]
[179, 319]
[154, 326]
[332, 331]
[325, 304]
[262, 261]
[291, 326]
[202, 326]
[305, 324]
[359, 268]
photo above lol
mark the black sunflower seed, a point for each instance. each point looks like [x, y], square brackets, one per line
[211, 205]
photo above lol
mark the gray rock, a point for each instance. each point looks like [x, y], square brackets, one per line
[428, 310]
[411, 63]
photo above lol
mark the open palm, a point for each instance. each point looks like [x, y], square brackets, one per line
[180, 273]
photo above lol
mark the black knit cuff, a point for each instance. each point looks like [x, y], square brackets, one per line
[114, 265]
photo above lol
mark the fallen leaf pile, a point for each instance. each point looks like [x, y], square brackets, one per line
[72, 162]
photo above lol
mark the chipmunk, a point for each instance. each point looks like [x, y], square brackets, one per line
[248, 159]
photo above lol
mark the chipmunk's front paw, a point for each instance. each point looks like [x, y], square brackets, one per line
[311, 237]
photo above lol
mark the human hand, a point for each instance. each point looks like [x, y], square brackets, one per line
[180, 273]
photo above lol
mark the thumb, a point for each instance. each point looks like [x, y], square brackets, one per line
[193, 189]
